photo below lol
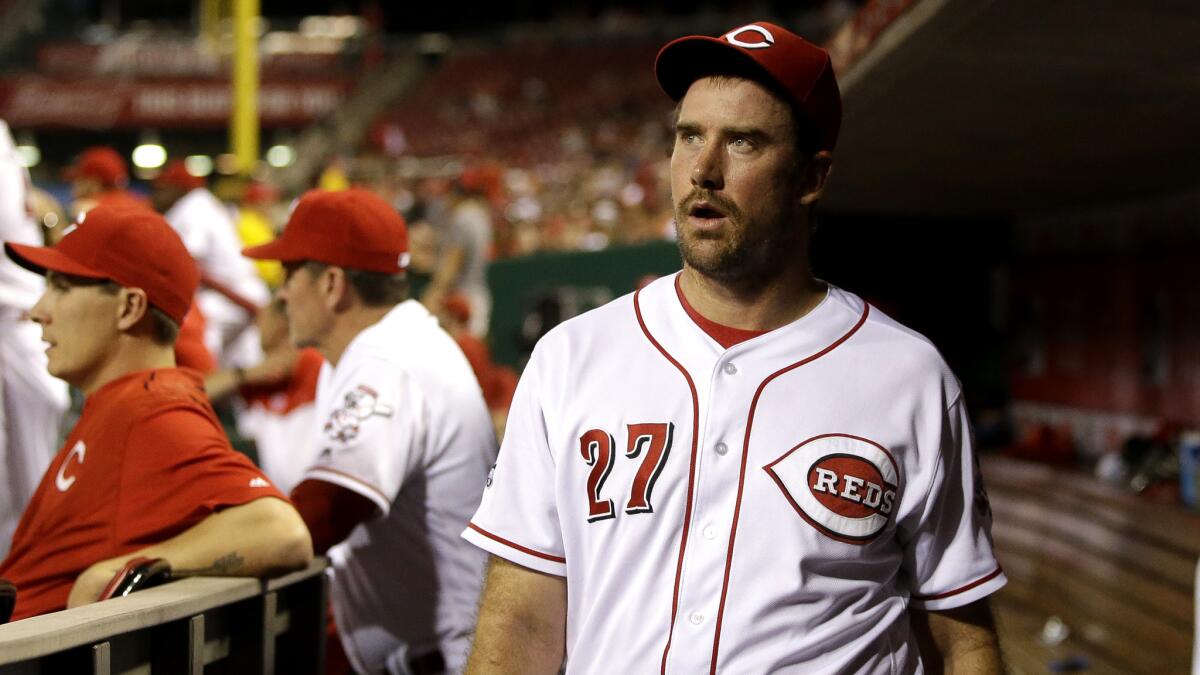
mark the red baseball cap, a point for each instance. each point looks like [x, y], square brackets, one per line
[130, 245]
[348, 228]
[175, 174]
[802, 70]
[101, 163]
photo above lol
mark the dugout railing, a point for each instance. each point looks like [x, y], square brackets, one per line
[210, 625]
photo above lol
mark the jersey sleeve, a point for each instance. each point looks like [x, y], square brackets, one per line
[178, 469]
[189, 225]
[518, 517]
[950, 560]
[368, 431]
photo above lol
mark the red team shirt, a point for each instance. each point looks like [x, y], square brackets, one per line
[146, 461]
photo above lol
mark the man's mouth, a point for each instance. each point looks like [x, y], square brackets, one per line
[706, 211]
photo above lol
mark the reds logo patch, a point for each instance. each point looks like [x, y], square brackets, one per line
[845, 486]
[358, 405]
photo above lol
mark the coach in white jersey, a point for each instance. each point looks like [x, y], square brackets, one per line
[739, 468]
[405, 438]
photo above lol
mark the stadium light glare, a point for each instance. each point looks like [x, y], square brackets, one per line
[149, 156]
[198, 165]
[280, 156]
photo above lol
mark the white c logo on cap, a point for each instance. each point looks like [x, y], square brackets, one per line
[768, 39]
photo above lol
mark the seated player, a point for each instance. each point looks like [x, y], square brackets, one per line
[404, 437]
[147, 470]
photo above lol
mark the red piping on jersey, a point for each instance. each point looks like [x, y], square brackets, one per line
[356, 479]
[522, 549]
[737, 509]
[687, 511]
[961, 589]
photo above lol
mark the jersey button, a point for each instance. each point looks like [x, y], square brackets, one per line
[730, 369]
[709, 532]
[696, 618]
[721, 448]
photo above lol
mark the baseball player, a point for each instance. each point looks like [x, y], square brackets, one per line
[405, 439]
[279, 398]
[147, 470]
[209, 232]
[33, 401]
[466, 236]
[100, 176]
[739, 468]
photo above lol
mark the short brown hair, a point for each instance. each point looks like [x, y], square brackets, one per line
[163, 329]
[375, 289]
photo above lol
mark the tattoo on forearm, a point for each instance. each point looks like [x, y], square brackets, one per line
[227, 564]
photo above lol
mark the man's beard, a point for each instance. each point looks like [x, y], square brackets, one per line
[733, 254]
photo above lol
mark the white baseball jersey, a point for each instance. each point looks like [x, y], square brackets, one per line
[210, 235]
[32, 402]
[772, 507]
[403, 423]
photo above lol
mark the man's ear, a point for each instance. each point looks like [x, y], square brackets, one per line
[132, 306]
[335, 288]
[814, 176]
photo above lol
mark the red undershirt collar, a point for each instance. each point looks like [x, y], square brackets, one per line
[725, 336]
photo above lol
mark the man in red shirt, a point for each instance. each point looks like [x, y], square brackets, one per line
[147, 470]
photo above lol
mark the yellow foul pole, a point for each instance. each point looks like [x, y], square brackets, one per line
[243, 129]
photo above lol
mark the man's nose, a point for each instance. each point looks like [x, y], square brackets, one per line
[708, 172]
[38, 313]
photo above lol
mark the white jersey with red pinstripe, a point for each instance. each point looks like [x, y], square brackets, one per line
[772, 507]
[403, 423]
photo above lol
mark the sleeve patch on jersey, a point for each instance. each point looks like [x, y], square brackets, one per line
[359, 405]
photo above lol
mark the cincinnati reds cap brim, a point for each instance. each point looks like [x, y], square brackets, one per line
[687, 59]
[39, 259]
[795, 69]
[279, 249]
